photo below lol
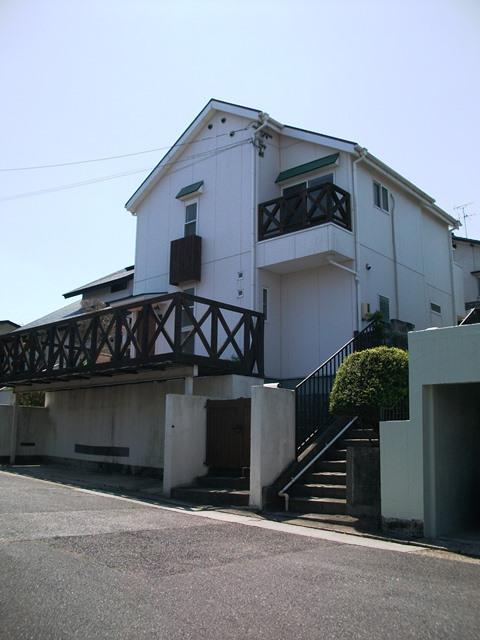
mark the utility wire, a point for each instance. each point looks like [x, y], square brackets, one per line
[124, 155]
[199, 158]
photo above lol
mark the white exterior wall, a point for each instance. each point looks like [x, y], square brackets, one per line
[467, 255]
[225, 211]
[422, 250]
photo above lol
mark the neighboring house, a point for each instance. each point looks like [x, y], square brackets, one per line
[7, 325]
[467, 255]
[261, 249]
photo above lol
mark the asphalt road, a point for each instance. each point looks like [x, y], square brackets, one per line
[75, 564]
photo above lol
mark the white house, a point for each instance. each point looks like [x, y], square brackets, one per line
[261, 249]
[275, 239]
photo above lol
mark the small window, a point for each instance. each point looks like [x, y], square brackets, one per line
[265, 303]
[384, 308]
[381, 197]
[435, 307]
[191, 219]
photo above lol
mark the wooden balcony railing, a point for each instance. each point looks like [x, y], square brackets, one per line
[175, 328]
[307, 208]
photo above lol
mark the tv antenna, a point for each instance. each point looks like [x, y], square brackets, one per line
[462, 211]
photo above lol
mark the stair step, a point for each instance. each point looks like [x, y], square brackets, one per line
[211, 496]
[320, 490]
[330, 465]
[310, 504]
[336, 455]
[362, 433]
[223, 482]
[325, 477]
[355, 442]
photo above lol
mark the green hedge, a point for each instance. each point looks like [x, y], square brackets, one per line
[370, 380]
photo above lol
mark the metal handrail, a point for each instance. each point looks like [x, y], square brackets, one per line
[283, 492]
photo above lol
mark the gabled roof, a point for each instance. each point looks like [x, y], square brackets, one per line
[205, 114]
[338, 144]
[123, 274]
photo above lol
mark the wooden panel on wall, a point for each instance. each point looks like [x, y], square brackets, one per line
[185, 259]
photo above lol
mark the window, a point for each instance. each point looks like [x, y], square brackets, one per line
[314, 182]
[188, 343]
[435, 307]
[384, 308]
[381, 196]
[265, 303]
[191, 219]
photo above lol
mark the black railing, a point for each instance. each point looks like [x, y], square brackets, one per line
[175, 328]
[312, 395]
[307, 208]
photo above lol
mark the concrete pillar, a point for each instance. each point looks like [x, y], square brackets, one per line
[272, 446]
[185, 440]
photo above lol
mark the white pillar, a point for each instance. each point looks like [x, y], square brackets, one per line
[272, 445]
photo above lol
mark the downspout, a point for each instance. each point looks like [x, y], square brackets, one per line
[362, 154]
[264, 120]
[395, 265]
[452, 280]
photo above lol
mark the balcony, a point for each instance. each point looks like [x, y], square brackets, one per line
[307, 208]
[158, 332]
[305, 231]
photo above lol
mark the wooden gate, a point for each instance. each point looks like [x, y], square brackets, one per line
[228, 434]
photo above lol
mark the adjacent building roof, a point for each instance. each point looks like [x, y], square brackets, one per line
[123, 274]
[467, 240]
[75, 309]
[307, 167]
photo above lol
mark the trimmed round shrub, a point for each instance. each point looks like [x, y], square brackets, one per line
[370, 380]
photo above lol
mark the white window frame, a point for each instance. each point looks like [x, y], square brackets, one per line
[381, 186]
[188, 203]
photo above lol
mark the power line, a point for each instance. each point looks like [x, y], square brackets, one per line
[199, 158]
[123, 155]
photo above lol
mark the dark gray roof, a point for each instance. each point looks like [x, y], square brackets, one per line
[75, 309]
[122, 274]
[469, 240]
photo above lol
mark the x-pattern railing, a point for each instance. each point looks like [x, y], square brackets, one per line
[149, 333]
[307, 208]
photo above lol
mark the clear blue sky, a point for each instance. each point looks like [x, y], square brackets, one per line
[84, 79]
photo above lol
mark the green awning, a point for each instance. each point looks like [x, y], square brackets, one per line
[191, 188]
[307, 167]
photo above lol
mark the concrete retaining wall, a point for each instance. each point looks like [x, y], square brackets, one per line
[31, 432]
[272, 439]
